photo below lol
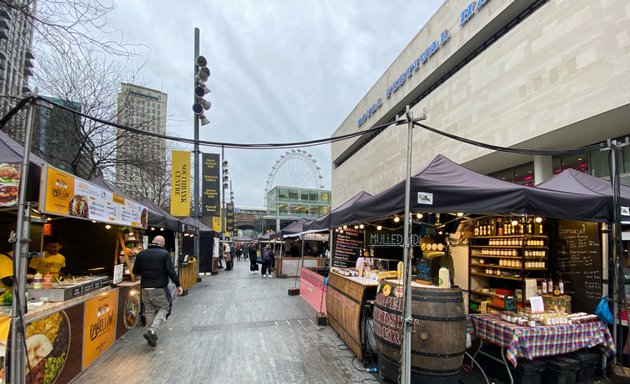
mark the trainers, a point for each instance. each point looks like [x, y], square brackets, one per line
[150, 337]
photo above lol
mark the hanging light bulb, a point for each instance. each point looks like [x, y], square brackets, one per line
[539, 219]
[460, 214]
[379, 227]
[396, 219]
[356, 226]
[514, 223]
[418, 216]
[108, 226]
[361, 226]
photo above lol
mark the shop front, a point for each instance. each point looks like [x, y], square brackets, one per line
[75, 316]
[501, 242]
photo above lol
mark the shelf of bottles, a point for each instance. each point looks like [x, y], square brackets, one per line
[505, 251]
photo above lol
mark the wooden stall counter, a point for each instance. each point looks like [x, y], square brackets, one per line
[188, 274]
[345, 299]
[290, 266]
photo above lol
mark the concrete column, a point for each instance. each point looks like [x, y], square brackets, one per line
[543, 168]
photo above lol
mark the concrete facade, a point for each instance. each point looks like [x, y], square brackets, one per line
[557, 77]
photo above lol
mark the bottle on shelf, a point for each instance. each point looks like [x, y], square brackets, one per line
[544, 287]
[561, 286]
[549, 285]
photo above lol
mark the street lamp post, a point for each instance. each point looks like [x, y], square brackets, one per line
[225, 184]
[200, 105]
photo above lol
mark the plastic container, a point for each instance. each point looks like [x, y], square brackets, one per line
[37, 281]
[47, 281]
[559, 371]
[528, 372]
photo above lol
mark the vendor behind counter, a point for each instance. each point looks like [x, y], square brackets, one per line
[52, 261]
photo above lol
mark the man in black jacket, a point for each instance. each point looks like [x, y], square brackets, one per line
[155, 266]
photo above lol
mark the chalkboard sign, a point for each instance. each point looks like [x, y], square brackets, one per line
[347, 247]
[579, 263]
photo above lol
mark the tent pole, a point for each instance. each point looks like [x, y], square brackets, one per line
[20, 258]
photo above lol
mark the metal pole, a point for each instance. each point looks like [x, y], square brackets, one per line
[223, 193]
[406, 357]
[196, 214]
[617, 248]
[20, 259]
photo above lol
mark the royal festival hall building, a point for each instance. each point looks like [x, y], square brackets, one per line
[544, 75]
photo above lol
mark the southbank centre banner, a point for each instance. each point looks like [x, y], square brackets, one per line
[210, 202]
[180, 183]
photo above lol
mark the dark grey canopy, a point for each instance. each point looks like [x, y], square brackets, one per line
[158, 217]
[324, 222]
[571, 180]
[446, 187]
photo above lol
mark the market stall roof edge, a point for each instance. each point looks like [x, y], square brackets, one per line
[444, 186]
[158, 217]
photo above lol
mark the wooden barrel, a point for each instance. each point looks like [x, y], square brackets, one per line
[438, 338]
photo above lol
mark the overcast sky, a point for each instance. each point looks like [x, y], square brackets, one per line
[281, 70]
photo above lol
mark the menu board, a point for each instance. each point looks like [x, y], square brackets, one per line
[347, 247]
[579, 263]
[67, 195]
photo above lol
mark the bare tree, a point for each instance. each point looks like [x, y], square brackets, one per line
[80, 24]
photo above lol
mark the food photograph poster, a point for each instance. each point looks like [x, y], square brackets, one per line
[67, 195]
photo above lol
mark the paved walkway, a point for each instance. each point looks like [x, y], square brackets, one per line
[233, 327]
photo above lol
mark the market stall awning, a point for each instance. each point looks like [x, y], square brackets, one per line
[571, 180]
[202, 227]
[158, 217]
[292, 230]
[11, 154]
[324, 222]
[446, 187]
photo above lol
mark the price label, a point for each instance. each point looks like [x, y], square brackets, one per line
[537, 304]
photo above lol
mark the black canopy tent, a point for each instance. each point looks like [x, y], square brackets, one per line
[571, 180]
[206, 244]
[292, 230]
[324, 222]
[158, 217]
[446, 187]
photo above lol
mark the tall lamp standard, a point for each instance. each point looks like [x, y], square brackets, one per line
[200, 105]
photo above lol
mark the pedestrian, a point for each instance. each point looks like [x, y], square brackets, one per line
[267, 259]
[155, 266]
[253, 265]
[227, 256]
[239, 251]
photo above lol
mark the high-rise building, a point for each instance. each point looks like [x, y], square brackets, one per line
[59, 139]
[16, 60]
[143, 109]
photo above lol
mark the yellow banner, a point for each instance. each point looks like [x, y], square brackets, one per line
[216, 223]
[59, 191]
[180, 184]
[99, 331]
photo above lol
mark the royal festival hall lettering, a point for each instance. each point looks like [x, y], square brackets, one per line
[471, 10]
[435, 45]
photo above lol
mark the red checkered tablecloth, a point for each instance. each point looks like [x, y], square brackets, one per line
[531, 342]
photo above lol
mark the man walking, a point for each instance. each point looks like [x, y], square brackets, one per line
[155, 266]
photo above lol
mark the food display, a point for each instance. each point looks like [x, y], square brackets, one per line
[9, 184]
[68, 289]
[47, 342]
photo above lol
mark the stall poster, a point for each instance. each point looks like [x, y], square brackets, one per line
[99, 332]
[9, 183]
[210, 201]
[67, 195]
[5, 325]
[180, 183]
